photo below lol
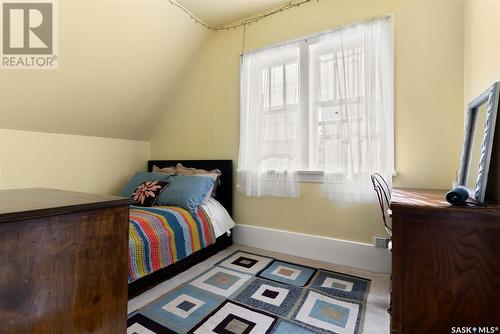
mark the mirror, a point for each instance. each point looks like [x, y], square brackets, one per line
[478, 142]
[477, 134]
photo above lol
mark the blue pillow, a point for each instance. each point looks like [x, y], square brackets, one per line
[139, 178]
[186, 192]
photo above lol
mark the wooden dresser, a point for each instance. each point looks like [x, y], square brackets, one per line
[63, 262]
[445, 264]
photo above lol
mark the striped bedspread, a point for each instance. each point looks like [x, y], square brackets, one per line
[162, 235]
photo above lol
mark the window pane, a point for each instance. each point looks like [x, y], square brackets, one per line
[280, 126]
[326, 78]
[264, 88]
[320, 146]
[328, 126]
[277, 86]
[292, 85]
[280, 139]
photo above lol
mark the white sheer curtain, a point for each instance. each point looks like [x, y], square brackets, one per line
[325, 104]
[269, 123]
[351, 96]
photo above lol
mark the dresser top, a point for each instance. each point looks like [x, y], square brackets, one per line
[21, 204]
[432, 199]
[419, 197]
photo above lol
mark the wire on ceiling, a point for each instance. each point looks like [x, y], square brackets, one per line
[243, 23]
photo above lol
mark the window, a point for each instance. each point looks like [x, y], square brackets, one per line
[323, 105]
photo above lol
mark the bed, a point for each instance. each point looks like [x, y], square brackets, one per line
[166, 240]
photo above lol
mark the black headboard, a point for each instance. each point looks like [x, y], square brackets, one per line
[224, 191]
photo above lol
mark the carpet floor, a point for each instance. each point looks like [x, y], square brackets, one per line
[244, 290]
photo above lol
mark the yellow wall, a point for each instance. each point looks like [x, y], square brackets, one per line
[482, 65]
[79, 163]
[202, 121]
[481, 47]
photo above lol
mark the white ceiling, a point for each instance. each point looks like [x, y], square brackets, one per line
[222, 12]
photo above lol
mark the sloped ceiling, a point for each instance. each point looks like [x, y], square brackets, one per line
[222, 12]
[119, 65]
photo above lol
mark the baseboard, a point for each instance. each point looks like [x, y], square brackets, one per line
[348, 253]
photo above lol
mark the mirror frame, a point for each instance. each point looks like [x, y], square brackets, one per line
[491, 97]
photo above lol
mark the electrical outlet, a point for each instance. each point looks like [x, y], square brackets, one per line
[381, 242]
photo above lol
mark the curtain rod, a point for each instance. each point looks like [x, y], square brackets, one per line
[316, 35]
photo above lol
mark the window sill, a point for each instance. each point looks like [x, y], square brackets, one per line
[313, 176]
[310, 176]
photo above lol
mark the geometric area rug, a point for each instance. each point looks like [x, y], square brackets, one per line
[247, 293]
